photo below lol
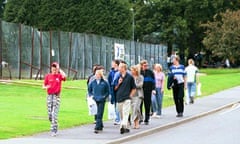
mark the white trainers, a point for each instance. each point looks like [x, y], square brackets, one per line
[154, 115]
[117, 123]
[53, 134]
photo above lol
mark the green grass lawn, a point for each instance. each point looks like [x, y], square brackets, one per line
[23, 106]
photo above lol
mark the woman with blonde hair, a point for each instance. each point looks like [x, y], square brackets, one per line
[157, 97]
[138, 97]
[192, 79]
[99, 89]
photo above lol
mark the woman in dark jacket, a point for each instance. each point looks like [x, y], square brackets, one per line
[99, 90]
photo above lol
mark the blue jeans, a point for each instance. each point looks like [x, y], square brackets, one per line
[117, 114]
[191, 87]
[157, 101]
[99, 115]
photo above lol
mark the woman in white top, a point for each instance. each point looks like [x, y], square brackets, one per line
[192, 79]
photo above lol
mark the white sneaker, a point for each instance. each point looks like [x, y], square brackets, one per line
[53, 134]
[117, 123]
[157, 116]
[154, 115]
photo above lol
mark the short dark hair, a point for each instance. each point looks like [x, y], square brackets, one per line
[98, 67]
[122, 61]
[116, 61]
[55, 64]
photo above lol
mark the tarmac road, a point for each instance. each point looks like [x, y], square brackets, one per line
[220, 128]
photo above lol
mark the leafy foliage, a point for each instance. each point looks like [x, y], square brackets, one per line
[104, 17]
[2, 5]
[176, 22]
[173, 22]
[223, 35]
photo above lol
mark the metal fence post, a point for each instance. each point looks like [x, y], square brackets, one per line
[1, 51]
[20, 50]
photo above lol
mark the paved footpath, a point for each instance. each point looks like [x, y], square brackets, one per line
[110, 135]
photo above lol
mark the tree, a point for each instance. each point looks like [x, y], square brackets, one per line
[11, 10]
[161, 22]
[2, 6]
[223, 35]
[50, 15]
[177, 21]
[172, 22]
[28, 14]
[104, 17]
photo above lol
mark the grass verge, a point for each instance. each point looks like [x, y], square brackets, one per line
[23, 103]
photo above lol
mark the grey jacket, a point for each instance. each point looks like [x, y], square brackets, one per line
[139, 85]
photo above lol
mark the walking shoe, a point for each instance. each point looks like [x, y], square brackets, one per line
[126, 130]
[140, 121]
[191, 100]
[154, 115]
[122, 130]
[53, 134]
[99, 129]
[116, 123]
[136, 127]
[179, 115]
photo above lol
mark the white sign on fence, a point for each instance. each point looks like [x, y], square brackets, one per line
[119, 51]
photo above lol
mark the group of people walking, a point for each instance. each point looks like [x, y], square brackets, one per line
[129, 90]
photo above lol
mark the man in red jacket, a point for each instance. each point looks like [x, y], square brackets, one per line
[52, 83]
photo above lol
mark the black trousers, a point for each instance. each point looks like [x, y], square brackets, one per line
[147, 105]
[178, 94]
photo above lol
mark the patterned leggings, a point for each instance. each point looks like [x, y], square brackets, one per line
[53, 104]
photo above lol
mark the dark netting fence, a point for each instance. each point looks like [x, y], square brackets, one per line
[26, 52]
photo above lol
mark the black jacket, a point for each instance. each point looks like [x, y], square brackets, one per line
[149, 80]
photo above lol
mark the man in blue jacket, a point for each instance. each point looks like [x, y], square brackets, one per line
[148, 88]
[111, 76]
[179, 79]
